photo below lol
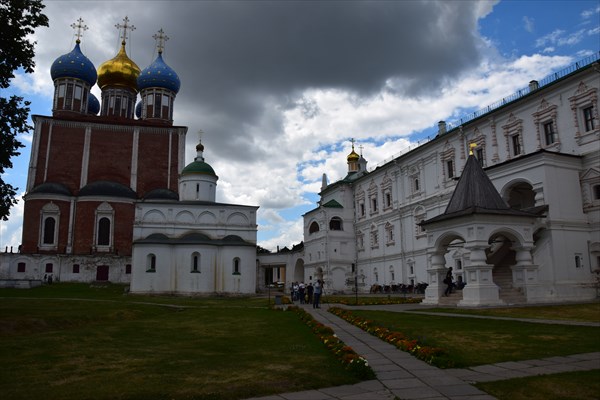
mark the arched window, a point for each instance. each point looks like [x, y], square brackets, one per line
[314, 227]
[236, 266]
[151, 263]
[196, 262]
[335, 224]
[49, 229]
[104, 228]
[521, 196]
[104, 232]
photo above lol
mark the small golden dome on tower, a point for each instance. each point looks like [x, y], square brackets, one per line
[119, 71]
[353, 157]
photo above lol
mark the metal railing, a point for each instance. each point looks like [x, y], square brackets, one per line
[505, 100]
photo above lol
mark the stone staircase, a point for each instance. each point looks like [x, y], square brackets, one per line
[451, 300]
[502, 276]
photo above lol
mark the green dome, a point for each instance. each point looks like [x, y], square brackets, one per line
[198, 167]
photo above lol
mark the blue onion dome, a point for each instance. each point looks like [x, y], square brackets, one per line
[93, 105]
[138, 110]
[74, 65]
[159, 74]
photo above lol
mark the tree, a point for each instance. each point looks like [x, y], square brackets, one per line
[18, 19]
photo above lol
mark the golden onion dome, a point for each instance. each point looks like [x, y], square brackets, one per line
[119, 71]
[352, 156]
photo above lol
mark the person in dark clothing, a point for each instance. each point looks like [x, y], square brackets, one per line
[448, 281]
[309, 293]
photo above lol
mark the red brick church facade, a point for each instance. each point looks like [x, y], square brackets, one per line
[92, 161]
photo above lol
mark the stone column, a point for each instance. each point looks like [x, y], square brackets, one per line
[525, 272]
[436, 273]
[480, 289]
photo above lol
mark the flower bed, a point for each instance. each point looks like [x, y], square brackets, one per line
[354, 363]
[432, 355]
[370, 301]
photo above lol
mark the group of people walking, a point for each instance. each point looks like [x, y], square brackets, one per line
[307, 294]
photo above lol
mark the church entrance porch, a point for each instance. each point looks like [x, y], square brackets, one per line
[494, 262]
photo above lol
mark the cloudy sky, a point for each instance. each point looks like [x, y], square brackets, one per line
[280, 87]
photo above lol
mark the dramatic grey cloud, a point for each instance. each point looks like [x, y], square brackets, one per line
[236, 58]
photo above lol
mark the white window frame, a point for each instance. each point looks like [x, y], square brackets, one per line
[104, 210]
[49, 210]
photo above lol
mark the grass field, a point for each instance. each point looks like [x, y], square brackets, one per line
[73, 341]
[68, 341]
[566, 312]
[471, 341]
[580, 385]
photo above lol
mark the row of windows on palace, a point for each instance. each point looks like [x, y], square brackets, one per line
[550, 135]
[525, 199]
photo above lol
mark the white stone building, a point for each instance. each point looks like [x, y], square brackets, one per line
[540, 149]
[193, 245]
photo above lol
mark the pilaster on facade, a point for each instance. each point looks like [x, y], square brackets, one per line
[85, 157]
[35, 149]
[134, 159]
[494, 136]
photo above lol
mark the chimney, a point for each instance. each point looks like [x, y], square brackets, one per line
[324, 182]
[441, 127]
[533, 85]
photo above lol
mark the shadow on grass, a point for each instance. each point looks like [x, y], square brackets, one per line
[57, 344]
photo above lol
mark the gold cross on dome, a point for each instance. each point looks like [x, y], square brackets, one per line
[126, 26]
[352, 141]
[79, 27]
[160, 38]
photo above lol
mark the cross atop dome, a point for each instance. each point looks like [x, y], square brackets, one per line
[471, 147]
[200, 146]
[160, 38]
[79, 27]
[125, 26]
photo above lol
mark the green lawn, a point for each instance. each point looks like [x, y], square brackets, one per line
[68, 341]
[470, 341]
[566, 386]
[568, 312]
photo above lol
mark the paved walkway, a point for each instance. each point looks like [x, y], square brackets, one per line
[402, 376]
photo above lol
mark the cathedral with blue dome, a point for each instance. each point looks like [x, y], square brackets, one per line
[109, 196]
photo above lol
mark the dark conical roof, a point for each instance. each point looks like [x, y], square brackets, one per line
[474, 189]
[475, 194]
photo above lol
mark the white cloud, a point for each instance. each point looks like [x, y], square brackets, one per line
[590, 13]
[528, 24]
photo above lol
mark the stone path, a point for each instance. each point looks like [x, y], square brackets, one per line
[402, 376]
